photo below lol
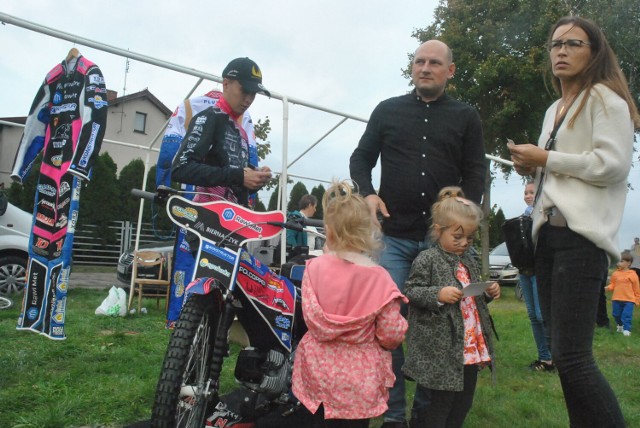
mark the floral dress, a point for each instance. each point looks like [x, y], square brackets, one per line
[475, 346]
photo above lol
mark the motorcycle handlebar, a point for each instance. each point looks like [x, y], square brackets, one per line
[160, 197]
[150, 196]
[314, 222]
[299, 223]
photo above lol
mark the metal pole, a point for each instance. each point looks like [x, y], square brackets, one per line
[284, 175]
[9, 19]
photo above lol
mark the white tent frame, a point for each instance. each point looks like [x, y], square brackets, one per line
[285, 99]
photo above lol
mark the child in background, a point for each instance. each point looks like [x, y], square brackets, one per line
[342, 369]
[626, 293]
[450, 336]
[530, 293]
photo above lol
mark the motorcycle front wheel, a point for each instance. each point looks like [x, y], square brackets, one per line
[184, 388]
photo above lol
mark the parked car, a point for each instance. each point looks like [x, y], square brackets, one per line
[15, 230]
[125, 261]
[500, 267]
[502, 271]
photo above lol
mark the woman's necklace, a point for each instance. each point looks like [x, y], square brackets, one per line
[565, 103]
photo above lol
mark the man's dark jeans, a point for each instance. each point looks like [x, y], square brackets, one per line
[570, 270]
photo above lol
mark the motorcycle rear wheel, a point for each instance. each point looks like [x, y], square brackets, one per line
[184, 388]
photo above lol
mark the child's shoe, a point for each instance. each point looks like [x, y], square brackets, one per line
[541, 366]
[619, 329]
[626, 333]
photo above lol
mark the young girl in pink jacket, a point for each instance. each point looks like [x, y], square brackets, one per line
[351, 305]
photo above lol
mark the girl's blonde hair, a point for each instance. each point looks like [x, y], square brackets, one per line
[452, 207]
[348, 220]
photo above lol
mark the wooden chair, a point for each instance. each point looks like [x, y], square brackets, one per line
[155, 286]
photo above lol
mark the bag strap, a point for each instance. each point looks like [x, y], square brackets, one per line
[548, 147]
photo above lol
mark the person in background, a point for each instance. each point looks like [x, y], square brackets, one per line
[578, 213]
[450, 336]
[531, 300]
[306, 209]
[626, 293]
[425, 140]
[342, 370]
[635, 252]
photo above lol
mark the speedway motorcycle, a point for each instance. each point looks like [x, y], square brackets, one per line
[232, 291]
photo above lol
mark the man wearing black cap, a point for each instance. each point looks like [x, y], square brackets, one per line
[214, 152]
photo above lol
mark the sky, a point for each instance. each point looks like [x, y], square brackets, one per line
[345, 56]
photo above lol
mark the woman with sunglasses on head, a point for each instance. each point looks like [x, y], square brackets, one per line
[581, 165]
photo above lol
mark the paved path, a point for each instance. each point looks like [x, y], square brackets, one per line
[94, 280]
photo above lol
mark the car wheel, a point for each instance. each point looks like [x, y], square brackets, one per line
[13, 274]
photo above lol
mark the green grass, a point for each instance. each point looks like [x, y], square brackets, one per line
[104, 374]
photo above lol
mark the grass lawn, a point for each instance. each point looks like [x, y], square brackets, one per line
[104, 374]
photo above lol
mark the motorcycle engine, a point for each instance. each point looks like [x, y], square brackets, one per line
[264, 372]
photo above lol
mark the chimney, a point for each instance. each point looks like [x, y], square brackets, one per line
[111, 95]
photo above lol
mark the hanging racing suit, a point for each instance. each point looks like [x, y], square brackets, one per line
[66, 123]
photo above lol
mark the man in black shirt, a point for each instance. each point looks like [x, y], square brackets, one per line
[426, 140]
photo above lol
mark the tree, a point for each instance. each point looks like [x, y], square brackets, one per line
[297, 191]
[262, 129]
[318, 192]
[259, 205]
[495, 227]
[273, 200]
[620, 21]
[130, 178]
[500, 56]
[100, 199]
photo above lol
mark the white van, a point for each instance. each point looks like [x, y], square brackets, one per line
[15, 230]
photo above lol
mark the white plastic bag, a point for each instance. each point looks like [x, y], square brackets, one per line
[115, 304]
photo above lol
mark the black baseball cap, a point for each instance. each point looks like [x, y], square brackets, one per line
[247, 73]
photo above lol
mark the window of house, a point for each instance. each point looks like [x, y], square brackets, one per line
[140, 122]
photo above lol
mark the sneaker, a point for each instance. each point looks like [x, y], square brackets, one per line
[541, 366]
[626, 332]
[619, 329]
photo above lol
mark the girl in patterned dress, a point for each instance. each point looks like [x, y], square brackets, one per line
[342, 369]
[450, 336]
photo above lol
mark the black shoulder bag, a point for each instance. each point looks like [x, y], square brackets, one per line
[517, 230]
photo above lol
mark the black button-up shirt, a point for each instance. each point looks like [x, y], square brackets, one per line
[423, 147]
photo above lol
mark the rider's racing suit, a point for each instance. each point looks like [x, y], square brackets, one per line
[184, 261]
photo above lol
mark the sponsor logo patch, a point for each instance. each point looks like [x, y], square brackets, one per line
[98, 102]
[63, 108]
[44, 219]
[32, 313]
[64, 188]
[205, 263]
[84, 160]
[188, 213]
[47, 189]
[96, 79]
[42, 243]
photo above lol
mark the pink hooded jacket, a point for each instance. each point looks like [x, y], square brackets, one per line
[352, 309]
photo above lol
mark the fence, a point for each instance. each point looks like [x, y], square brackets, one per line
[90, 250]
